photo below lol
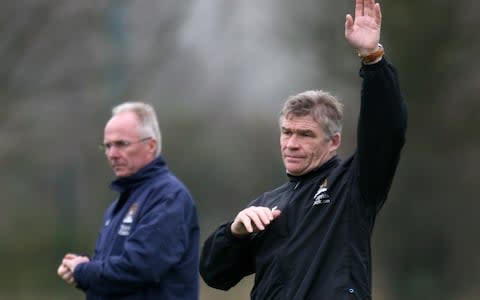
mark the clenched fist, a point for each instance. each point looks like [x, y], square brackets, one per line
[65, 273]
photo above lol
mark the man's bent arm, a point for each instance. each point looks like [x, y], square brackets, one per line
[225, 259]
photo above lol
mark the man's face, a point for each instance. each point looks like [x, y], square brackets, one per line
[127, 151]
[304, 145]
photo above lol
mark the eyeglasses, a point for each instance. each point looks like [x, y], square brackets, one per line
[120, 144]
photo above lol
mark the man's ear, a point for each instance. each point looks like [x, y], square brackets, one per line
[152, 143]
[335, 142]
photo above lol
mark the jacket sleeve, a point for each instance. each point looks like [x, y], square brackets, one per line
[157, 242]
[381, 130]
[225, 259]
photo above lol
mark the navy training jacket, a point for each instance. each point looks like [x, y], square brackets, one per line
[319, 247]
[148, 247]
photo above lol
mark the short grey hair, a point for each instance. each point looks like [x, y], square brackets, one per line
[147, 119]
[322, 106]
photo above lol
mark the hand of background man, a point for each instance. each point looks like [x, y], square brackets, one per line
[64, 272]
[68, 265]
[253, 219]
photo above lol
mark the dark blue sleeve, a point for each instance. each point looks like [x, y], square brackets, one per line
[157, 243]
[381, 130]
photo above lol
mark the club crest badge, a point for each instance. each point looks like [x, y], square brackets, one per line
[126, 225]
[321, 196]
[131, 213]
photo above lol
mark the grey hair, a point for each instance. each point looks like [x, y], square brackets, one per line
[322, 106]
[147, 119]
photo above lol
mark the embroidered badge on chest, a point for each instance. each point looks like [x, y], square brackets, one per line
[321, 196]
[126, 225]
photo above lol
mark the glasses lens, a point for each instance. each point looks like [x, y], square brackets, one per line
[121, 144]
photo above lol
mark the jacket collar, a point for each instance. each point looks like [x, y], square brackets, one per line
[323, 168]
[150, 170]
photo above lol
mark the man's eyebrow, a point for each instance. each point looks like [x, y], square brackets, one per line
[304, 130]
[298, 131]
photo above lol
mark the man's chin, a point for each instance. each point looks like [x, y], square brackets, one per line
[295, 171]
[120, 173]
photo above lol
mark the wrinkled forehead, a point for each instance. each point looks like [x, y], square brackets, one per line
[291, 121]
[298, 114]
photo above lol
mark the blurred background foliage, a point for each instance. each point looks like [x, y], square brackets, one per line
[217, 73]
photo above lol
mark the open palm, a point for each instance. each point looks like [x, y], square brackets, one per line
[363, 32]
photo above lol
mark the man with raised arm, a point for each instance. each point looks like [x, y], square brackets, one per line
[310, 237]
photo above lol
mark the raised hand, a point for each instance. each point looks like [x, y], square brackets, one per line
[253, 219]
[363, 32]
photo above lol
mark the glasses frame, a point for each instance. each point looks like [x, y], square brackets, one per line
[121, 144]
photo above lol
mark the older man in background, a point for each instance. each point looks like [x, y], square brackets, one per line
[148, 246]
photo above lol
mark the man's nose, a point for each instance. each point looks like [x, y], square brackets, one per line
[111, 152]
[292, 142]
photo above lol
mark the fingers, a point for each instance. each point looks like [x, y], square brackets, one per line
[70, 279]
[250, 219]
[373, 10]
[68, 265]
[66, 274]
[276, 213]
[366, 8]
[69, 256]
[359, 8]
[378, 14]
[348, 24]
[253, 219]
[260, 216]
[67, 262]
[72, 263]
[62, 270]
